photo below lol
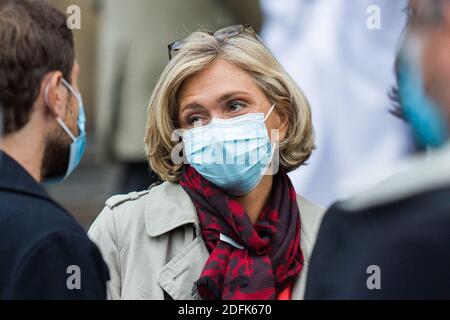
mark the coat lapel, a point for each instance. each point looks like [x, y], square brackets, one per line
[178, 276]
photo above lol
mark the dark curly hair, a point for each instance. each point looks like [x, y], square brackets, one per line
[34, 40]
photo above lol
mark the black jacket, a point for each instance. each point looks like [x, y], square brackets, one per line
[408, 240]
[44, 253]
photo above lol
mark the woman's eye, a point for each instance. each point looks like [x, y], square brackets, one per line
[194, 120]
[236, 106]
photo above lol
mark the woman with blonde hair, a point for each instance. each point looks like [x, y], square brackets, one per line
[225, 126]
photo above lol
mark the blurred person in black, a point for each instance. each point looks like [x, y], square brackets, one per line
[44, 253]
[393, 241]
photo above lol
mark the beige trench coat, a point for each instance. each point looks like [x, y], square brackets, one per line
[152, 244]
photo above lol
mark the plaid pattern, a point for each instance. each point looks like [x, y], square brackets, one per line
[271, 259]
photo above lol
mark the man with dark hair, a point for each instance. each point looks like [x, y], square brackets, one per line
[393, 241]
[44, 253]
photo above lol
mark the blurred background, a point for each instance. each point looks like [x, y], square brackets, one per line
[340, 52]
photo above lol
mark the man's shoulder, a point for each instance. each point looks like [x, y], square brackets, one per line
[43, 270]
[40, 241]
[418, 176]
[29, 222]
[345, 219]
[420, 206]
[27, 213]
[347, 223]
[413, 260]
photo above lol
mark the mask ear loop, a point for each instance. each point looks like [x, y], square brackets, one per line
[270, 112]
[265, 119]
[274, 147]
[58, 119]
[66, 129]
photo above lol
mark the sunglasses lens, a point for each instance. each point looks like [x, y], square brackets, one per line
[221, 35]
[175, 47]
[228, 32]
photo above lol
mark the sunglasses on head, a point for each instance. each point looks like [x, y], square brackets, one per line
[221, 35]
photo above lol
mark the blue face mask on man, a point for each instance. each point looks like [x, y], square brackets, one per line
[424, 115]
[78, 145]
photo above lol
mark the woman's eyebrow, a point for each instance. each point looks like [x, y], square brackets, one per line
[225, 97]
[230, 95]
[193, 106]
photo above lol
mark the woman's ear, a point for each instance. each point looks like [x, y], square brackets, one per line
[284, 125]
[55, 97]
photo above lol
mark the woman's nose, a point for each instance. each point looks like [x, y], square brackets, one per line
[218, 115]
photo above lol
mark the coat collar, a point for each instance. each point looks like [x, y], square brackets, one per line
[179, 274]
[14, 178]
[176, 202]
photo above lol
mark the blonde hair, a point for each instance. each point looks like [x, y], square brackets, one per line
[248, 53]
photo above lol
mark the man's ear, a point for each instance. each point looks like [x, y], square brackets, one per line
[55, 97]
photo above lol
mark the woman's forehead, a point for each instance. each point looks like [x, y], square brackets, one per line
[216, 80]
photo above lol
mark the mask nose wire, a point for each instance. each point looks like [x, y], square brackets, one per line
[270, 112]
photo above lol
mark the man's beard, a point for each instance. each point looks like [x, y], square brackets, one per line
[56, 155]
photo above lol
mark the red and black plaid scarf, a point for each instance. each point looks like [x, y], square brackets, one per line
[271, 259]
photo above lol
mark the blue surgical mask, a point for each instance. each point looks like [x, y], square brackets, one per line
[233, 154]
[424, 115]
[78, 145]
